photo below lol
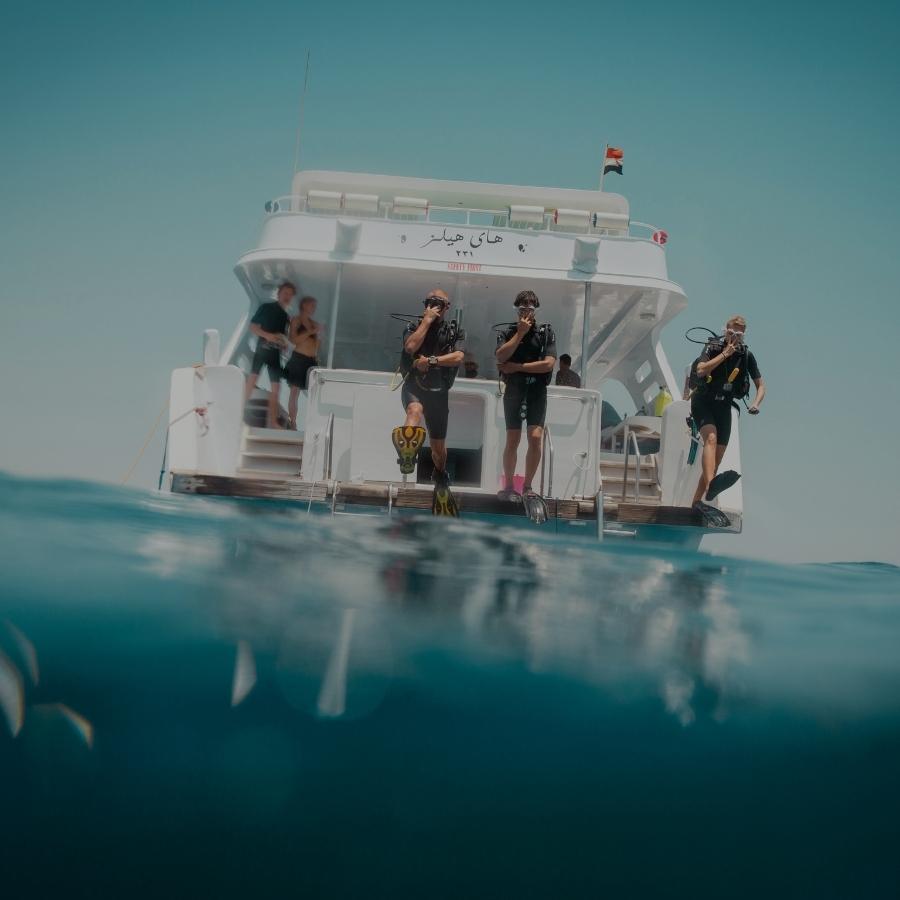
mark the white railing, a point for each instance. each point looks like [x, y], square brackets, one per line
[478, 218]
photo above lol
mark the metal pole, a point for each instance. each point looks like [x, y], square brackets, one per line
[332, 324]
[603, 165]
[598, 508]
[585, 333]
[300, 123]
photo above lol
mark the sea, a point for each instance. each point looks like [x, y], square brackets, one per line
[216, 698]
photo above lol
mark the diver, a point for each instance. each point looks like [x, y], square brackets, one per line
[429, 362]
[720, 377]
[526, 355]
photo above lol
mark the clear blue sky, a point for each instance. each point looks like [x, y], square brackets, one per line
[140, 142]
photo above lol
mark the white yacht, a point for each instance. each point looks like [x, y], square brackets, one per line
[369, 246]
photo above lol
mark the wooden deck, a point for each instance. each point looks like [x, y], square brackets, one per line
[409, 497]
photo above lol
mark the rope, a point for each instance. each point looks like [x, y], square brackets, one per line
[137, 459]
[201, 412]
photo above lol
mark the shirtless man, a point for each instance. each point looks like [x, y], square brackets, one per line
[305, 334]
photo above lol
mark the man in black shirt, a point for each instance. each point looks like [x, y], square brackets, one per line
[269, 323]
[526, 356]
[430, 361]
[722, 374]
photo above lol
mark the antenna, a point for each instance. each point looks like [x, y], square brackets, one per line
[300, 122]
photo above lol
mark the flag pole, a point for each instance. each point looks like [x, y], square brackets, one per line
[603, 165]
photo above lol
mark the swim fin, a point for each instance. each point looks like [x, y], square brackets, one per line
[712, 517]
[443, 503]
[721, 482]
[535, 508]
[407, 439]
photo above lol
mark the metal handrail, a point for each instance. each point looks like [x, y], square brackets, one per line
[296, 203]
[637, 465]
[631, 438]
[329, 442]
[547, 444]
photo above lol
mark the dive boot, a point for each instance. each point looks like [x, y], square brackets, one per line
[443, 503]
[407, 440]
[721, 482]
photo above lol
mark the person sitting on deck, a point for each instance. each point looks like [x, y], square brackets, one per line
[305, 334]
[526, 356]
[722, 375]
[269, 324]
[565, 377]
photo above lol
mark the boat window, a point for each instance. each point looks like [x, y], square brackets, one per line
[643, 372]
[448, 216]
[488, 219]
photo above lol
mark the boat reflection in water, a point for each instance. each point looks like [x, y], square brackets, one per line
[213, 698]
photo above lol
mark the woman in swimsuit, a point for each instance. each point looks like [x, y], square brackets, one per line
[305, 335]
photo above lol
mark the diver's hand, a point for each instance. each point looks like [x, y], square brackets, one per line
[753, 410]
[728, 350]
[430, 314]
[421, 364]
[283, 341]
[509, 368]
[523, 326]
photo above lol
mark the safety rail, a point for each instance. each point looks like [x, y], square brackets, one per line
[329, 446]
[477, 218]
[632, 439]
[547, 450]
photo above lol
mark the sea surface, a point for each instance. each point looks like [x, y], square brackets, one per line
[215, 698]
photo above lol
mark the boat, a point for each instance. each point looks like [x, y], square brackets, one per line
[369, 247]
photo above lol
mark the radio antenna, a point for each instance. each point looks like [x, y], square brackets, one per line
[300, 122]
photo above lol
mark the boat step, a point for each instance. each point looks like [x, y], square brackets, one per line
[278, 451]
[276, 435]
[269, 474]
[618, 479]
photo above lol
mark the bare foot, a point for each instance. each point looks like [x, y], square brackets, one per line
[275, 426]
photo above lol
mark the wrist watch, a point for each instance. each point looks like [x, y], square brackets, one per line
[432, 361]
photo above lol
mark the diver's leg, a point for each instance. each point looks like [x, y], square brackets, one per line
[293, 402]
[533, 454]
[510, 452]
[414, 414]
[274, 391]
[439, 454]
[709, 438]
[250, 385]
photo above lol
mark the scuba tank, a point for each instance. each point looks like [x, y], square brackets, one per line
[661, 401]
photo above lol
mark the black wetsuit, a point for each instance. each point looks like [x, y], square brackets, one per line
[270, 317]
[431, 388]
[711, 402]
[526, 395]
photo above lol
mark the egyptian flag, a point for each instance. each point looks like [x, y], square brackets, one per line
[613, 161]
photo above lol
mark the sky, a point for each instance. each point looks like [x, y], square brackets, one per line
[141, 140]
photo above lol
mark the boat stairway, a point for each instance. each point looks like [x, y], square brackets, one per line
[270, 453]
[612, 471]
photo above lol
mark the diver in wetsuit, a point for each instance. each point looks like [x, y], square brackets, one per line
[430, 362]
[722, 375]
[526, 355]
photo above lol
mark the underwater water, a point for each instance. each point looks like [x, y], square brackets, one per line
[219, 698]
